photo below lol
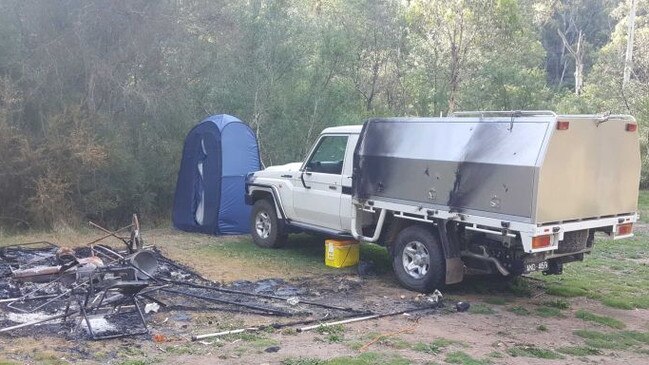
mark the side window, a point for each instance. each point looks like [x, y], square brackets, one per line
[328, 156]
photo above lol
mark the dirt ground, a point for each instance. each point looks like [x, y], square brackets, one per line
[505, 325]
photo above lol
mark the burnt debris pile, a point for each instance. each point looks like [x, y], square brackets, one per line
[99, 292]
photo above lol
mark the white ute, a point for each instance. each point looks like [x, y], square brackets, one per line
[502, 193]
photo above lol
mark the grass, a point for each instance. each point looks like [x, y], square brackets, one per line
[578, 351]
[557, 303]
[519, 310]
[605, 320]
[533, 351]
[643, 206]
[547, 312]
[479, 308]
[332, 334]
[383, 341]
[460, 357]
[520, 287]
[496, 355]
[134, 362]
[613, 341]
[434, 347]
[368, 358]
[612, 274]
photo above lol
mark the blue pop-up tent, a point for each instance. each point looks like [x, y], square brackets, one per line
[218, 154]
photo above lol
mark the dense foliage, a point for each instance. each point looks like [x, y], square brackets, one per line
[96, 96]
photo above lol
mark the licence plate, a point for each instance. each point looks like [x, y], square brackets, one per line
[536, 266]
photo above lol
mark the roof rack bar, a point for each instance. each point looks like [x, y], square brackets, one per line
[504, 113]
[626, 117]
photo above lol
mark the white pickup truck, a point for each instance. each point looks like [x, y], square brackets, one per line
[502, 193]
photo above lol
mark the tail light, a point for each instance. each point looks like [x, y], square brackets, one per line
[631, 127]
[563, 125]
[541, 242]
[624, 229]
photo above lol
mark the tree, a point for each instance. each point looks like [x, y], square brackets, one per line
[628, 60]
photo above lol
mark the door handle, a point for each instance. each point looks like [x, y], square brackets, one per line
[333, 187]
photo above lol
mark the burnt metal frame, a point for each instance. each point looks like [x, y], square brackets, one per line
[129, 289]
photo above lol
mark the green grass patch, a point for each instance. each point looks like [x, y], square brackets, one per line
[301, 251]
[480, 308]
[519, 310]
[612, 274]
[333, 334]
[383, 340]
[368, 358]
[179, 350]
[533, 351]
[434, 347]
[324, 330]
[557, 303]
[547, 312]
[520, 287]
[566, 291]
[578, 351]
[643, 205]
[460, 357]
[496, 355]
[605, 320]
[613, 341]
[378, 255]
[132, 362]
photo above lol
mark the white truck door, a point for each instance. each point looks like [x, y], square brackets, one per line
[318, 203]
[346, 196]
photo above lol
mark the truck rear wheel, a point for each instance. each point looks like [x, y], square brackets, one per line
[418, 259]
[265, 226]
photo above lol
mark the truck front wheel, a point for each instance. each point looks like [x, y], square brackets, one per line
[418, 260]
[265, 227]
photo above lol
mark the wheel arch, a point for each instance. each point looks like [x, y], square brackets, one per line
[257, 192]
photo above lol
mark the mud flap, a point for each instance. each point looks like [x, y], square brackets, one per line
[454, 270]
[454, 264]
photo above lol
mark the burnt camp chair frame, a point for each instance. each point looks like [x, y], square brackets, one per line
[127, 287]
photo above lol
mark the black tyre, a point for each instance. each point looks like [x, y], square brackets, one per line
[418, 259]
[266, 229]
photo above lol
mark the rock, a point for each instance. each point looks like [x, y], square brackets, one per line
[462, 306]
[272, 349]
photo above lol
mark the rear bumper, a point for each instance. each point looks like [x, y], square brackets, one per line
[556, 231]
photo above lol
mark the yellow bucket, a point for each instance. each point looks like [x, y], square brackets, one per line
[341, 253]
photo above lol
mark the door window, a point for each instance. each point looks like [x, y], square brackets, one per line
[328, 156]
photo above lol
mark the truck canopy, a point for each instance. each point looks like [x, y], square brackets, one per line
[533, 167]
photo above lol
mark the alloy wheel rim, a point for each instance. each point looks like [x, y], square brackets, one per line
[416, 259]
[262, 225]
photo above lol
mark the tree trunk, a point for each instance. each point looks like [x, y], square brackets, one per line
[628, 60]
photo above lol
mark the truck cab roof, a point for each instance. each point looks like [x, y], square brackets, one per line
[343, 129]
